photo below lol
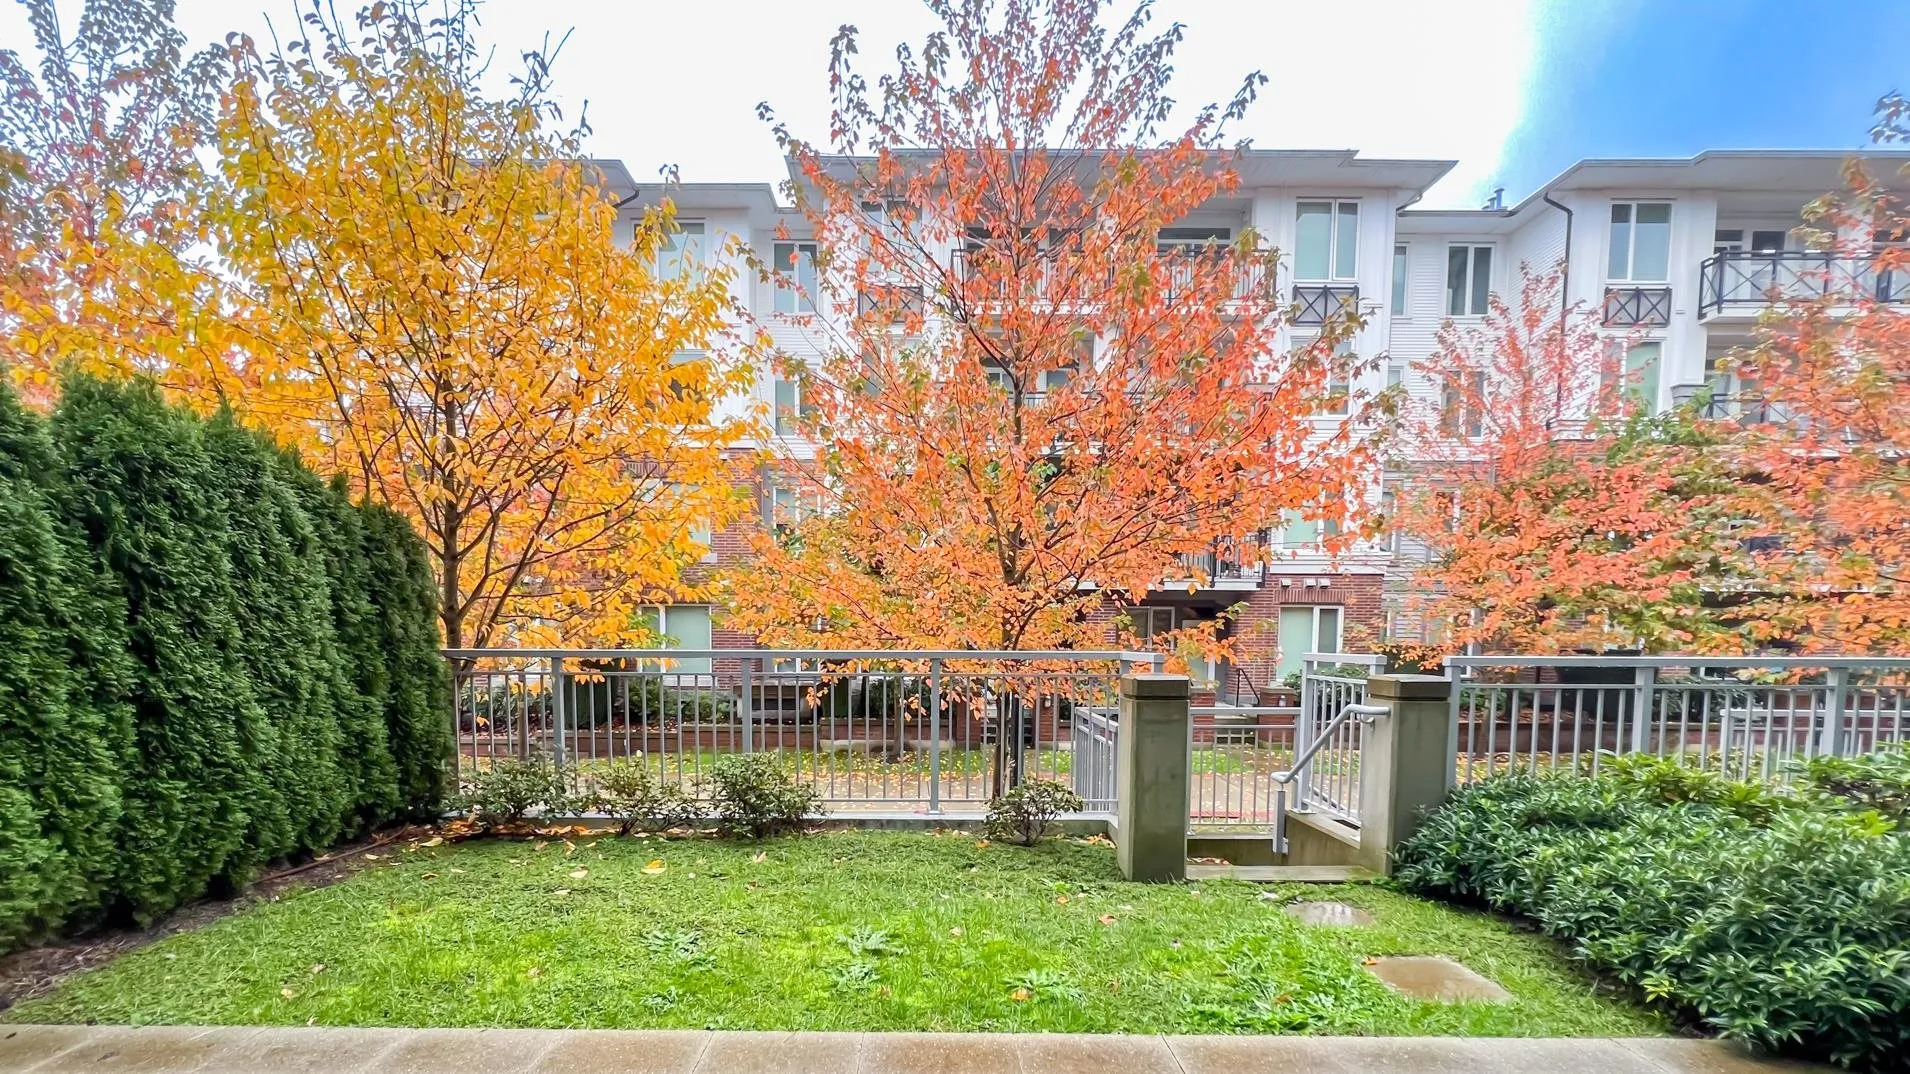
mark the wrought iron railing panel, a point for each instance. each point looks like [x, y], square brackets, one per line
[1741, 280]
[1641, 307]
[1317, 302]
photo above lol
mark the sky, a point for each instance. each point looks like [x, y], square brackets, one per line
[1514, 90]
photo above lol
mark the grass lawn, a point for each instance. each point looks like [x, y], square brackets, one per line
[842, 931]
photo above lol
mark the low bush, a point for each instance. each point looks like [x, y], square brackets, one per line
[628, 792]
[1022, 815]
[1777, 917]
[753, 794]
[507, 791]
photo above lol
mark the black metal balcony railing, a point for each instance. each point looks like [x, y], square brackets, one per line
[1319, 301]
[898, 300]
[1228, 561]
[1638, 306]
[1068, 279]
[1739, 279]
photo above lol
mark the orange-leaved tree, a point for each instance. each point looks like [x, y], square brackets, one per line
[1037, 387]
[1553, 512]
[1821, 408]
[99, 186]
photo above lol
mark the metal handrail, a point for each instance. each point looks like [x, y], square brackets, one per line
[1365, 713]
[1069, 655]
[1685, 661]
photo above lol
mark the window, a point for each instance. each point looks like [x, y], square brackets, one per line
[1468, 280]
[1327, 243]
[1304, 629]
[1339, 383]
[796, 277]
[1399, 280]
[1150, 623]
[1395, 375]
[1462, 405]
[790, 407]
[681, 251]
[1389, 511]
[790, 506]
[681, 626]
[1640, 242]
[1298, 531]
[1641, 374]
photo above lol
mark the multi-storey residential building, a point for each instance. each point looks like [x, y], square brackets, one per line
[1677, 256]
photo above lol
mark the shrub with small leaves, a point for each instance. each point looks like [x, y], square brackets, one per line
[629, 792]
[754, 795]
[1879, 781]
[509, 789]
[1023, 814]
[1779, 917]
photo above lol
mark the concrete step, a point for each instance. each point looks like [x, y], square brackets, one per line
[1279, 874]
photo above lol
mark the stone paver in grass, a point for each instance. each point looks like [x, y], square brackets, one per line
[1436, 978]
[1330, 914]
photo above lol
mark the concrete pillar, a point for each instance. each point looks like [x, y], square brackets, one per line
[1151, 757]
[1406, 761]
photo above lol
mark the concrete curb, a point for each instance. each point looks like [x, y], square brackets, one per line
[253, 1050]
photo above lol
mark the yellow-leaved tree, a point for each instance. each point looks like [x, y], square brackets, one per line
[427, 288]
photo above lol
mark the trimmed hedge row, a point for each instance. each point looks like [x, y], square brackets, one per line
[210, 659]
[1777, 917]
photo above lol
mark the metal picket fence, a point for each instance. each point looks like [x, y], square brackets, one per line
[871, 731]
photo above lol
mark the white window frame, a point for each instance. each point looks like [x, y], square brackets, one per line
[1335, 272]
[690, 670]
[776, 412]
[1630, 274]
[1471, 290]
[1402, 298]
[800, 298]
[688, 256]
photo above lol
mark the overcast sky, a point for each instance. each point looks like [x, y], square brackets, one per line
[1514, 90]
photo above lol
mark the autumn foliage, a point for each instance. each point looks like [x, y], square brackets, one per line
[1554, 514]
[1031, 397]
[421, 287]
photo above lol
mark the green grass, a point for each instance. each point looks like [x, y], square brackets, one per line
[842, 931]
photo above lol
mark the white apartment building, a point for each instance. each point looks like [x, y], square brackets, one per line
[1678, 255]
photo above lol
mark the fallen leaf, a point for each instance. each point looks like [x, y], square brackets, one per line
[287, 993]
[569, 848]
[692, 876]
[884, 991]
[170, 956]
[534, 972]
[579, 873]
[981, 844]
[434, 841]
[561, 891]
[1369, 961]
[318, 967]
[1114, 985]
[1061, 900]
[1021, 995]
[655, 867]
[1106, 919]
[539, 845]
[428, 876]
[759, 857]
[1175, 945]
[369, 856]
[457, 872]
[956, 931]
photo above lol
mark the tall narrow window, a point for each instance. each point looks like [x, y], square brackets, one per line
[789, 405]
[1399, 280]
[1468, 280]
[795, 277]
[681, 251]
[1462, 405]
[1326, 244]
[681, 626]
[1641, 374]
[1640, 242]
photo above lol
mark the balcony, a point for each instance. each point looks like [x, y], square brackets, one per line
[1319, 301]
[899, 301]
[1637, 307]
[1742, 282]
[1225, 564]
[1058, 279]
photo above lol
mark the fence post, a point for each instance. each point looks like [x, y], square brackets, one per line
[555, 665]
[1645, 679]
[1405, 762]
[1303, 728]
[745, 710]
[1151, 777]
[1834, 698]
[935, 735]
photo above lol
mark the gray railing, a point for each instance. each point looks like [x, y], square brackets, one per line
[871, 730]
[1747, 717]
[1741, 279]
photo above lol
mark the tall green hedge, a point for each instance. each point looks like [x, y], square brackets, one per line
[213, 660]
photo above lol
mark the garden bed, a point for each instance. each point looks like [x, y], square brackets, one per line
[837, 931]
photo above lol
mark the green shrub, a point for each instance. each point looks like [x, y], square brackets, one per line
[630, 793]
[753, 794]
[1877, 781]
[213, 660]
[1023, 814]
[507, 791]
[1774, 917]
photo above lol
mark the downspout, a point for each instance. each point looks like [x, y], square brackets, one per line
[1565, 267]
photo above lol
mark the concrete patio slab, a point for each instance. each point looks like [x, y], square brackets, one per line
[203, 1050]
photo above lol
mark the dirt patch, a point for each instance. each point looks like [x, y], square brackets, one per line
[36, 971]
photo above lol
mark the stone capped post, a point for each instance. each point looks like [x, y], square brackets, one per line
[1151, 758]
[1406, 761]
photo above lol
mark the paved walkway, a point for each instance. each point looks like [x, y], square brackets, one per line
[246, 1050]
